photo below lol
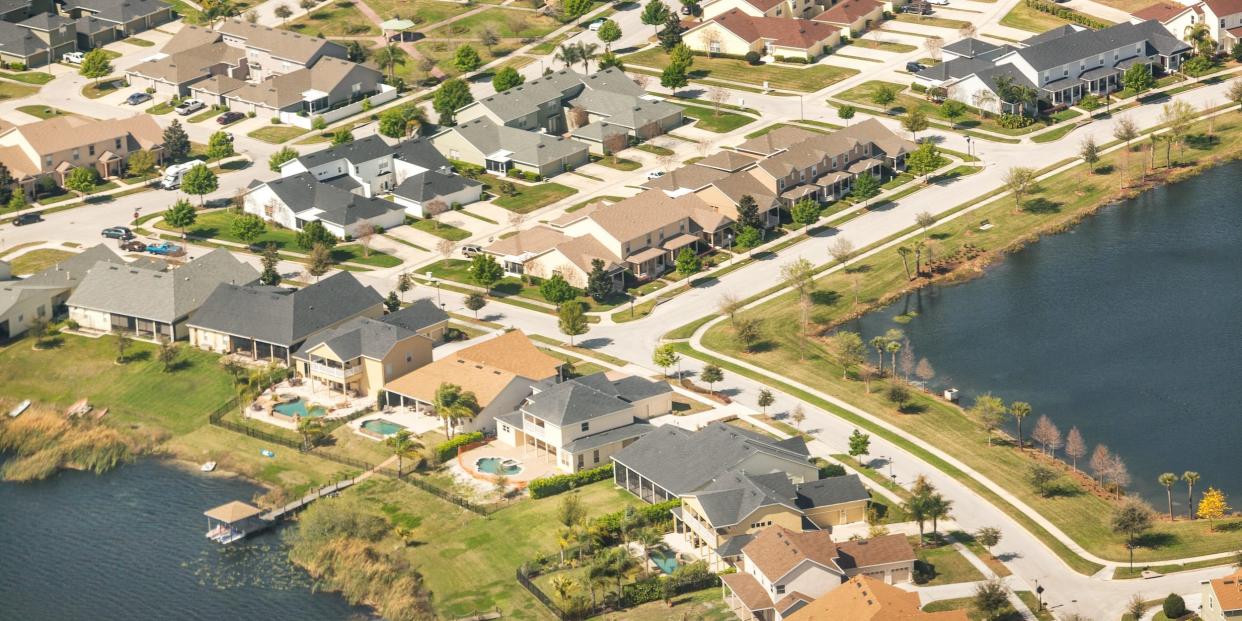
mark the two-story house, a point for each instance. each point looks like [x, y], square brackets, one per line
[1222, 18]
[781, 570]
[124, 17]
[55, 146]
[867, 599]
[360, 356]
[275, 51]
[1222, 598]
[1064, 65]
[582, 422]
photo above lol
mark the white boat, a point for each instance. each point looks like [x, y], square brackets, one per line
[208, 467]
[19, 408]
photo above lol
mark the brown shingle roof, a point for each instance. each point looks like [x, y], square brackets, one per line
[847, 12]
[776, 550]
[535, 240]
[1161, 11]
[190, 37]
[514, 352]
[868, 599]
[646, 212]
[1228, 591]
[747, 589]
[66, 132]
[485, 381]
[1224, 7]
[582, 250]
[784, 31]
[777, 140]
[729, 161]
[876, 551]
[279, 42]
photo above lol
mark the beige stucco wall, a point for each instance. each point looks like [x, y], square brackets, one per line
[91, 319]
[699, 40]
[835, 515]
[553, 261]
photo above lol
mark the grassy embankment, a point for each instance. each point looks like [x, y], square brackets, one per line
[1057, 205]
[42, 442]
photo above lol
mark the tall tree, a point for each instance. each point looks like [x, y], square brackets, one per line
[990, 410]
[665, 356]
[199, 181]
[1168, 480]
[485, 271]
[1190, 477]
[453, 404]
[655, 13]
[95, 65]
[474, 303]
[1047, 435]
[82, 180]
[599, 284]
[1089, 152]
[181, 216]
[506, 78]
[866, 187]
[712, 374]
[466, 58]
[403, 444]
[318, 260]
[247, 227]
[609, 32]
[1019, 180]
[1132, 518]
[850, 350]
[270, 260]
[748, 212]
[450, 97]
[1213, 506]
[670, 35]
[176, 141]
[765, 399]
[1075, 448]
[991, 599]
[914, 122]
[285, 154]
[1019, 410]
[860, 445]
[219, 145]
[571, 320]
[314, 233]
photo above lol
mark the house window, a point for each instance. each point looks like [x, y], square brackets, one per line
[580, 461]
[91, 150]
[596, 456]
[1222, 23]
[48, 161]
[118, 143]
[504, 428]
[409, 358]
[586, 426]
[780, 589]
[76, 154]
[714, 46]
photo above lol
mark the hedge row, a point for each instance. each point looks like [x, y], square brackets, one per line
[1066, 13]
[609, 525]
[685, 579]
[553, 485]
[448, 450]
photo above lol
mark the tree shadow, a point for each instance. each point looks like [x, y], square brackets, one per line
[825, 298]
[137, 356]
[1106, 169]
[1041, 206]
[940, 236]
[1228, 527]
[595, 343]
[1153, 540]
[762, 347]
[1201, 142]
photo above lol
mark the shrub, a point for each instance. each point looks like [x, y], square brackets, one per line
[251, 114]
[1174, 606]
[608, 525]
[918, 88]
[828, 470]
[1065, 13]
[752, 58]
[1014, 121]
[800, 60]
[448, 450]
[553, 485]
[1198, 66]
[17, 66]
[275, 120]
[318, 123]
[1090, 102]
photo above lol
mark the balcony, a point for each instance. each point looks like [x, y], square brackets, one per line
[323, 370]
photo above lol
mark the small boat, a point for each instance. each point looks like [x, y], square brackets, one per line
[19, 408]
[100, 413]
[80, 408]
[208, 467]
[267, 453]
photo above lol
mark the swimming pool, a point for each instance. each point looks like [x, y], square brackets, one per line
[497, 465]
[297, 407]
[382, 427]
[664, 558]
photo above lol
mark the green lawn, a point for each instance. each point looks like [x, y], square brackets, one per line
[886, 46]
[506, 23]
[531, 197]
[422, 12]
[653, 149]
[43, 112]
[928, 20]
[458, 270]
[906, 102]
[38, 78]
[163, 107]
[9, 90]
[339, 19]
[206, 114]
[137, 392]
[38, 260]
[719, 121]
[1058, 203]
[944, 565]
[138, 42]
[1024, 17]
[618, 163]
[727, 70]
[276, 134]
[442, 52]
[441, 230]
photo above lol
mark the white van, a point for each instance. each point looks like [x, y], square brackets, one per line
[174, 173]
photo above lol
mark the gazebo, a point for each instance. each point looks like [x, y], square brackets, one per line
[397, 25]
[230, 522]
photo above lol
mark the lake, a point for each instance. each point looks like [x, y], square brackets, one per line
[129, 545]
[1127, 327]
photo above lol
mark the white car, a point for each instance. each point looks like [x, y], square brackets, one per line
[595, 25]
[655, 174]
[73, 58]
[939, 2]
[190, 106]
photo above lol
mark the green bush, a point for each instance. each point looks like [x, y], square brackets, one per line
[1066, 13]
[1198, 65]
[918, 88]
[1090, 102]
[448, 450]
[553, 485]
[752, 58]
[608, 525]
[1174, 606]
[799, 60]
[1014, 121]
[828, 470]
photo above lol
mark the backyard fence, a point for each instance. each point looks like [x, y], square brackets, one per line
[541, 596]
[633, 594]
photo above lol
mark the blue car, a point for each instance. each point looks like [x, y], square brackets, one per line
[137, 98]
[165, 248]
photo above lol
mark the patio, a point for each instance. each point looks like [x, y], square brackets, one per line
[533, 464]
[313, 394]
[418, 423]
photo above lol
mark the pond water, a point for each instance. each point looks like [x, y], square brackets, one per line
[1127, 327]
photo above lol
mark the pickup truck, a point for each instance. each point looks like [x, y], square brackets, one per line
[165, 249]
[189, 106]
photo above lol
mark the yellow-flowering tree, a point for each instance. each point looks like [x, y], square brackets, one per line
[1213, 506]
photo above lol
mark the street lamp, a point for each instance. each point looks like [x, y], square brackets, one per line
[1039, 592]
[969, 146]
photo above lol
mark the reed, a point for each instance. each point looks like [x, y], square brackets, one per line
[42, 442]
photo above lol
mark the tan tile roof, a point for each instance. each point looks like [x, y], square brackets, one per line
[691, 177]
[868, 599]
[1228, 591]
[1161, 11]
[485, 381]
[727, 160]
[847, 12]
[747, 589]
[189, 64]
[776, 550]
[535, 240]
[190, 37]
[276, 41]
[875, 551]
[785, 31]
[235, 511]
[18, 162]
[777, 140]
[646, 212]
[582, 250]
[66, 132]
[286, 89]
[570, 217]
[514, 352]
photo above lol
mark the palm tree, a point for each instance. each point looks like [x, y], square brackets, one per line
[568, 54]
[564, 587]
[919, 247]
[311, 430]
[918, 508]
[403, 444]
[620, 563]
[648, 538]
[938, 507]
[452, 403]
[596, 576]
[1190, 477]
[893, 347]
[586, 54]
[563, 539]
[1020, 410]
[1167, 480]
[1201, 37]
[905, 253]
[879, 343]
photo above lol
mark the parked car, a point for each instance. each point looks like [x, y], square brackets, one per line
[686, 10]
[230, 117]
[133, 245]
[655, 174]
[190, 106]
[595, 25]
[165, 248]
[73, 58]
[27, 218]
[469, 250]
[939, 2]
[117, 232]
[914, 67]
[137, 98]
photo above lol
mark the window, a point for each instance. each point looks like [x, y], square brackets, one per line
[780, 589]
[387, 369]
[504, 428]
[48, 161]
[1222, 23]
[76, 154]
[580, 461]
[586, 426]
[596, 456]
[91, 150]
[714, 46]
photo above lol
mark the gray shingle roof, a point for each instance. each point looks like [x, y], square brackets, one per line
[417, 316]
[831, 491]
[303, 193]
[1052, 51]
[119, 11]
[527, 98]
[431, 185]
[962, 67]
[969, 47]
[160, 296]
[633, 430]
[355, 151]
[420, 152]
[19, 41]
[46, 21]
[358, 337]
[732, 496]
[68, 273]
[682, 461]
[530, 148]
[582, 399]
[281, 316]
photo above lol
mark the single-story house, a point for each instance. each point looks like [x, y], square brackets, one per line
[419, 194]
[152, 304]
[423, 318]
[268, 323]
[500, 148]
[542, 251]
[295, 200]
[737, 33]
[852, 17]
[43, 295]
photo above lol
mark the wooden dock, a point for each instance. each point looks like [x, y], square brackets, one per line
[236, 520]
[279, 513]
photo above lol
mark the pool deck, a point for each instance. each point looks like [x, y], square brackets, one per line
[533, 465]
[315, 395]
[417, 423]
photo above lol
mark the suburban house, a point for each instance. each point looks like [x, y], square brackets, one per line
[543, 251]
[1063, 65]
[788, 164]
[360, 356]
[305, 92]
[500, 372]
[43, 295]
[867, 599]
[275, 51]
[782, 570]
[1223, 19]
[151, 304]
[267, 323]
[53, 147]
[423, 318]
[38, 40]
[764, 8]
[852, 17]
[296, 200]
[580, 423]
[500, 148]
[737, 33]
[125, 17]
[733, 483]
[1222, 598]
[18, 10]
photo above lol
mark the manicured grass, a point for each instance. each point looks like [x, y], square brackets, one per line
[37, 78]
[95, 90]
[531, 197]
[1055, 134]
[1032, 601]
[441, 230]
[422, 12]
[929, 20]
[654, 149]
[550, 45]
[705, 605]
[992, 562]
[137, 392]
[206, 114]
[38, 260]
[906, 102]
[620, 163]
[9, 90]
[163, 107]
[1024, 17]
[217, 224]
[276, 134]
[944, 564]
[138, 42]
[721, 122]
[886, 46]
[458, 270]
[607, 199]
[43, 112]
[728, 70]
[339, 19]
[353, 253]
[442, 52]
[1059, 203]
[501, 20]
